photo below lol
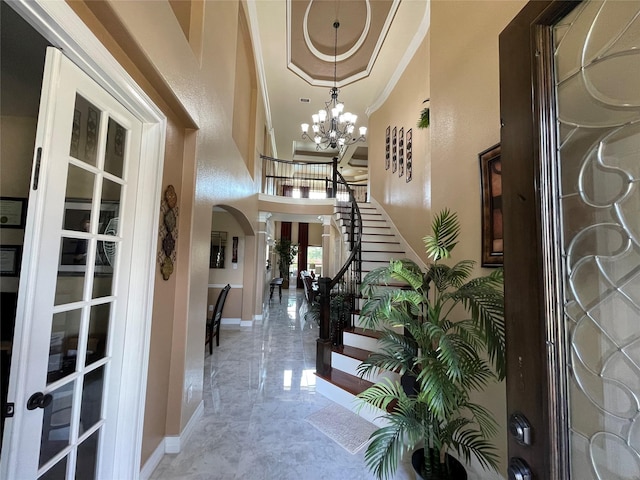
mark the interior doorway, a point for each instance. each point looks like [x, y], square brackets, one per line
[22, 58]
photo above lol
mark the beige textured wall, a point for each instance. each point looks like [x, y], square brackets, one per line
[407, 204]
[465, 120]
[194, 91]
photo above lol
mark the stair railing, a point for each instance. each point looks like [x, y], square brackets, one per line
[338, 296]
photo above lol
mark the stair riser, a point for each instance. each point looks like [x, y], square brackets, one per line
[347, 400]
[373, 230]
[350, 365]
[380, 237]
[358, 323]
[381, 247]
[366, 217]
[384, 256]
[367, 266]
[360, 341]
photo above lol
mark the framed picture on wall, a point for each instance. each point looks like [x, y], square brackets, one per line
[10, 258]
[13, 212]
[491, 188]
[218, 244]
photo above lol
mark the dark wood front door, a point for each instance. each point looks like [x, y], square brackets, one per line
[570, 108]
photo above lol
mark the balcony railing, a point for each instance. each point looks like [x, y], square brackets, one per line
[306, 180]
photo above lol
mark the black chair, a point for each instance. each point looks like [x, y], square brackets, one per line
[213, 325]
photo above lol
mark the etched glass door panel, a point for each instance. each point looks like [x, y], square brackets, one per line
[597, 67]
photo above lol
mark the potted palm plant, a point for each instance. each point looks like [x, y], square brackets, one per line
[441, 360]
[287, 252]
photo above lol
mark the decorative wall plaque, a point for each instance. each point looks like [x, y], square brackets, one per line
[409, 147]
[168, 232]
[387, 155]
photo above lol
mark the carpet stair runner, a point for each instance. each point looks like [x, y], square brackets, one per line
[342, 384]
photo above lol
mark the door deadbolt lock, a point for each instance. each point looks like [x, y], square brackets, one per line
[520, 429]
[519, 469]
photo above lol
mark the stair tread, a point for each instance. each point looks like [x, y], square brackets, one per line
[353, 352]
[350, 383]
[364, 332]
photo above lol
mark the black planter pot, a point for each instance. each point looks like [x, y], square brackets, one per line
[454, 470]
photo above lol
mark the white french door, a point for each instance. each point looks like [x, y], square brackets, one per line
[67, 366]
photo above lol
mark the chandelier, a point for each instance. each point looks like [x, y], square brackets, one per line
[332, 127]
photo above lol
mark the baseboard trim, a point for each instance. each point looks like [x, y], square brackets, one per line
[231, 321]
[153, 461]
[246, 323]
[173, 444]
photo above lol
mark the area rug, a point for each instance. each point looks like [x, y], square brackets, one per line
[343, 427]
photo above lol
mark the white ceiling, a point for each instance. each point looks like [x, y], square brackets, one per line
[283, 88]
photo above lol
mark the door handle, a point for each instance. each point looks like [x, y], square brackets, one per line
[39, 400]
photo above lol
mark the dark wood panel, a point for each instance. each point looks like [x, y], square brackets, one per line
[527, 111]
[526, 373]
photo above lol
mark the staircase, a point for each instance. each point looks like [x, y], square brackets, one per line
[379, 245]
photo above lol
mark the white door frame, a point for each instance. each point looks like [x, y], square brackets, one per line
[59, 24]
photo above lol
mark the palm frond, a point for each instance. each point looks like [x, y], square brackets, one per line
[445, 228]
[470, 441]
[406, 271]
[486, 305]
[389, 443]
[483, 418]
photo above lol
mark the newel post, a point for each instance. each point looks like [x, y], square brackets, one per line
[323, 350]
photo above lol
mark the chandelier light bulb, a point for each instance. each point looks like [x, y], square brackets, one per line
[316, 128]
[317, 139]
[315, 118]
[363, 131]
[322, 114]
[305, 127]
[335, 112]
[340, 107]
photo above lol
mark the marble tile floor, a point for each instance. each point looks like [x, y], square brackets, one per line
[259, 388]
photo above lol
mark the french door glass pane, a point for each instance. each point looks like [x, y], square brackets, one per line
[597, 65]
[115, 150]
[63, 349]
[87, 455]
[91, 408]
[85, 131]
[70, 281]
[56, 423]
[98, 332]
[57, 472]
